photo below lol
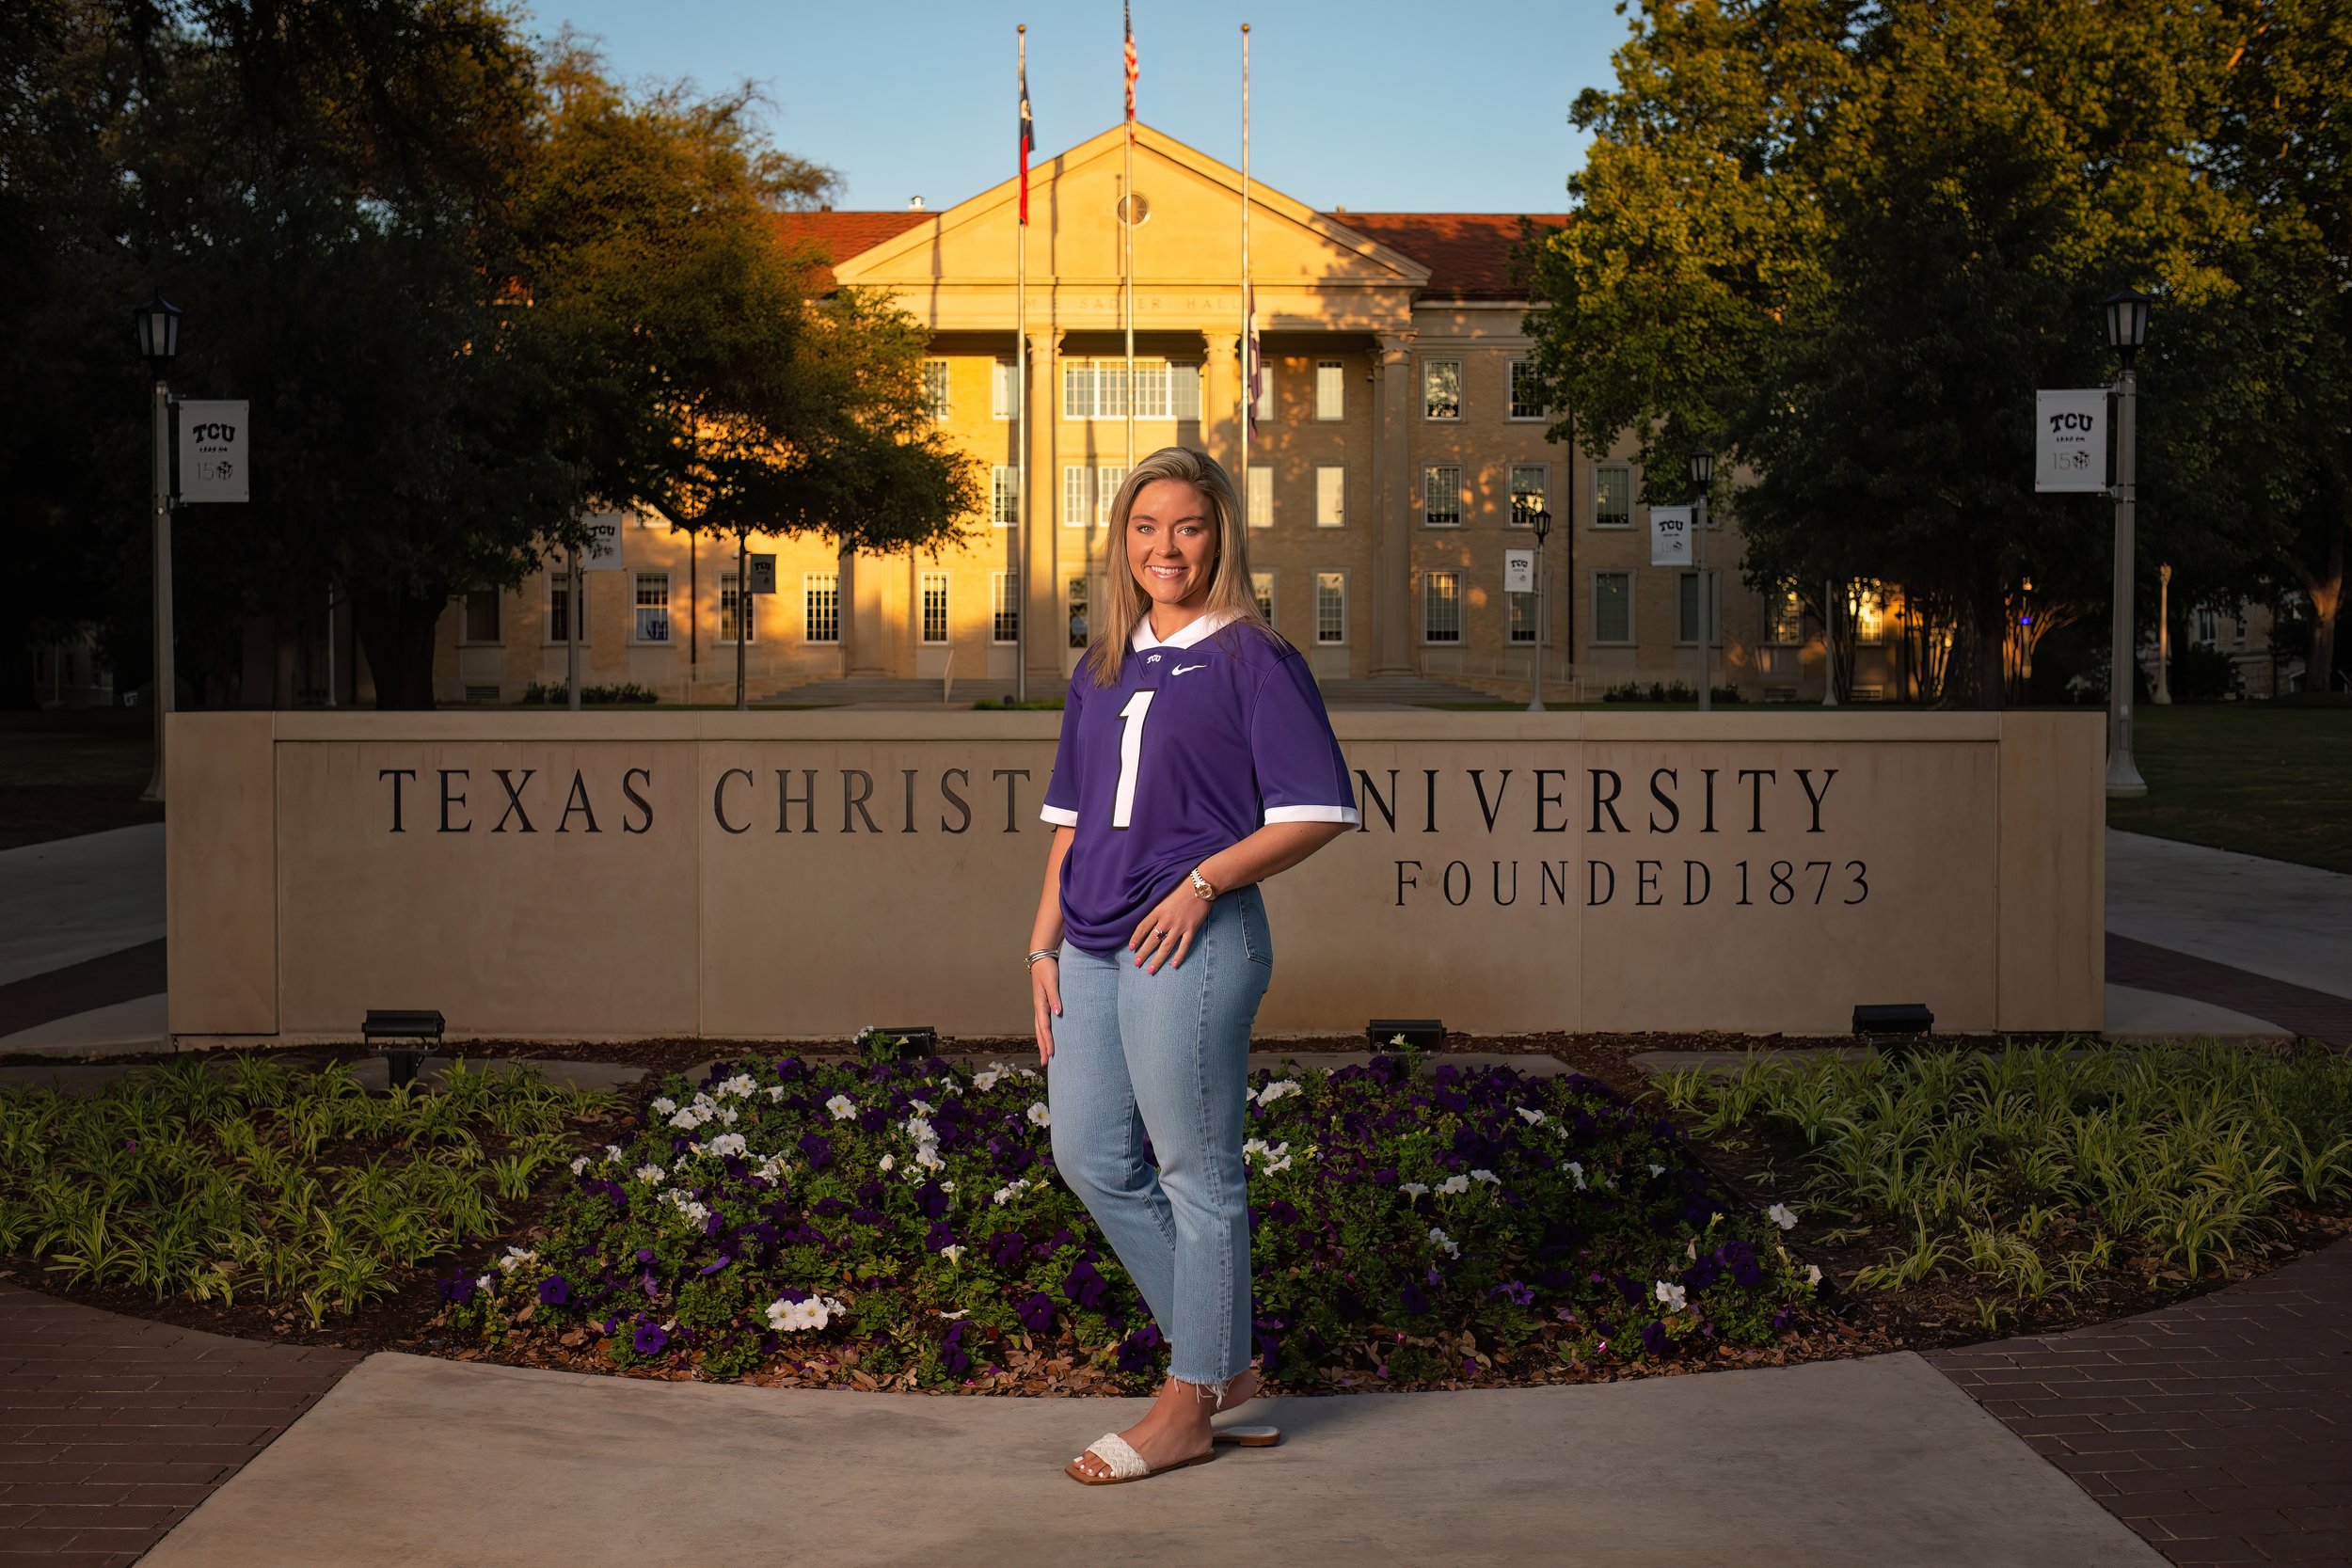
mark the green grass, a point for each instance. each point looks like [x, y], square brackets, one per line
[2271, 779]
[2034, 1169]
[272, 1181]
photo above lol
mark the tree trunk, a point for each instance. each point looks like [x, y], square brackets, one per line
[396, 631]
[2327, 606]
[1988, 633]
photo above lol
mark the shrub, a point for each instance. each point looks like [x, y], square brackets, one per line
[904, 1216]
[2031, 1167]
[2202, 674]
[291, 1185]
[1660, 691]
[555, 692]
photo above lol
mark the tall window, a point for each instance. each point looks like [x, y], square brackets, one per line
[1522, 609]
[820, 607]
[1077, 496]
[1441, 389]
[1613, 495]
[1004, 389]
[933, 589]
[2207, 632]
[1260, 495]
[935, 387]
[1529, 482]
[732, 606]
[1004, 616]
[1004, 496]
[1330, 389]
[1612, 607]
[560, 607]
[1184, 390]
[1330, 496]
[1687, 608]
[1108, 479]
[1441, 497]
[1441, 608]
[1787, 615]
[1870, 616]
[1330, 608]
[482, 615]
[653, 606]
[1261, 589]
[1526, 403]
[1077, 596]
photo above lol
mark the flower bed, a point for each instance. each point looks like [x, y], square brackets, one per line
[265, 1181]
[898, 1221]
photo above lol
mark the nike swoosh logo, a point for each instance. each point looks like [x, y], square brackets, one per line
[1181, 668]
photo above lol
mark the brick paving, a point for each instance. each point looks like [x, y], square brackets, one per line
[2220, 1429]
[2314, 1013]
[112, 1429]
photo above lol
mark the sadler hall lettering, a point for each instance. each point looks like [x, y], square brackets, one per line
[1721, 808]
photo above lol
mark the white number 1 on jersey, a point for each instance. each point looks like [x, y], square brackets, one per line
[1130, 754]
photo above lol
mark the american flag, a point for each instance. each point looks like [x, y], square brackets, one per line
[1128, 12]
[1028, 138]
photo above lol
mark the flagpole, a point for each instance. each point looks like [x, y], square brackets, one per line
[1127, 239]
[1248, 324]
[1020, 409]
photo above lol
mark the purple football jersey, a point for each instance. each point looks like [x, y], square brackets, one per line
[1206, 737]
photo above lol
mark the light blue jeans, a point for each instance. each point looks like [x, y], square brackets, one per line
[1167, 1055]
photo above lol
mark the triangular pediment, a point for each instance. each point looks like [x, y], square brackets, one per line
[1190, 241]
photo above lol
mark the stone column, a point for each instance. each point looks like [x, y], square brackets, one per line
[1043, 570]
[1220, 398]
[1393, 506]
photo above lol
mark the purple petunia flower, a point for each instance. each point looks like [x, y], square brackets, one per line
[1413, 1299]
[456, 1288]
[555, 1291]
[817, 1148]
[1083, 1286]
[1512, 1290]
[942, 1236]
[650, 1338]
[1037, 1313]
[1654, 1338]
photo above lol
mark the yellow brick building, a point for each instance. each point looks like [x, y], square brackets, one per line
[1392, 440]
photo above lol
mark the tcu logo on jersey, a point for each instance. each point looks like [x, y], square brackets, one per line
[1150, 658]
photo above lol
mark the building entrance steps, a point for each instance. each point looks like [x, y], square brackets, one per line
[1868, 1462]
[891, 689]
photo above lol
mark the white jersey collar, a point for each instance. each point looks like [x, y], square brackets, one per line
[1193, 631]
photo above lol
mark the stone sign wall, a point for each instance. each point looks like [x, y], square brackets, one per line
[776, 875]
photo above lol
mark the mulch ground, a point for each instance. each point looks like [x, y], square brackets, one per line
[113, 1428]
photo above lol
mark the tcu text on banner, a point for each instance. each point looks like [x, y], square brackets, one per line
[1670, 536]
[603, 554]
[2070, 439]
[214, 447]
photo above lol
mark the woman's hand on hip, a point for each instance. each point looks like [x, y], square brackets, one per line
[1166, 935]
[1045, 1003]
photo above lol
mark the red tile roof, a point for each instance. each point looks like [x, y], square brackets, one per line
[839, 237]
[1467, 254]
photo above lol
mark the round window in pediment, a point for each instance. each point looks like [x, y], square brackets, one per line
[1135, 209]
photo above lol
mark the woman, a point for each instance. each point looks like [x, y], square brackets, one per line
[1196, 761]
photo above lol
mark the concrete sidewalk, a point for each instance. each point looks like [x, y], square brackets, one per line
[411, 1462]
[72, 899]
[2289, 923]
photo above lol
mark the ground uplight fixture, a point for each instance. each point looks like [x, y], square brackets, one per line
[916, 1042]
[404, 1034]
[1419, 1034]
[158, 324]
[2127, 322]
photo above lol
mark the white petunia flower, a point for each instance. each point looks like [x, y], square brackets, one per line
[1040, 1116]
[889, 1162]
[1813, 1273]
[952, 1086]
[1487, 1176]
[776, 1093]
[947, 1186]
[1277, 1090]
[922, 1107]
[1782, 1215]
[613, 1151]
[729, 1143]
[1010, 1191]
[1576, 1172]
[1657, 1170]
[728, 1115]
[687, 1119]
[927, 1156]
[1532, 1119]
[649, 1173]
[516, 1257]
[1672, 1297]
[1455, 1184]
[1281, 1164]
[664, 1105]
[580, 1164]
[1444, 1241]
[1029, 1073]
[1694, 1251]
[954, 1315]
[920, 1130]
[1413, 1189]
[793, 1317]
[985, 1079]
[740, 1086]
[842, 1107]
[952, 1252]
[483, 1282]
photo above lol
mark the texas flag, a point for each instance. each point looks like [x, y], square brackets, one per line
[1028, 139]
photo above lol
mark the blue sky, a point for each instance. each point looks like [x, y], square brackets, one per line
[1379, 105]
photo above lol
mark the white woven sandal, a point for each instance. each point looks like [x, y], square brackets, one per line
[1126, 1465]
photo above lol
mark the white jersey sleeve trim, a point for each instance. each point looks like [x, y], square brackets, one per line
[1059, 816]
[1313, 814]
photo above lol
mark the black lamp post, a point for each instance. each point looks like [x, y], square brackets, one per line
[2127, 329]
[158, 324]
[1539, 519]
[1702, 476]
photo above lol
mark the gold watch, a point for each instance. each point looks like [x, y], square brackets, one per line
[1201, 885]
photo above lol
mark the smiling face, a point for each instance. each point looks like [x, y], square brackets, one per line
[1171, 543]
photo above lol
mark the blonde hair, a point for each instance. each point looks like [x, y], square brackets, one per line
[1229, 590]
